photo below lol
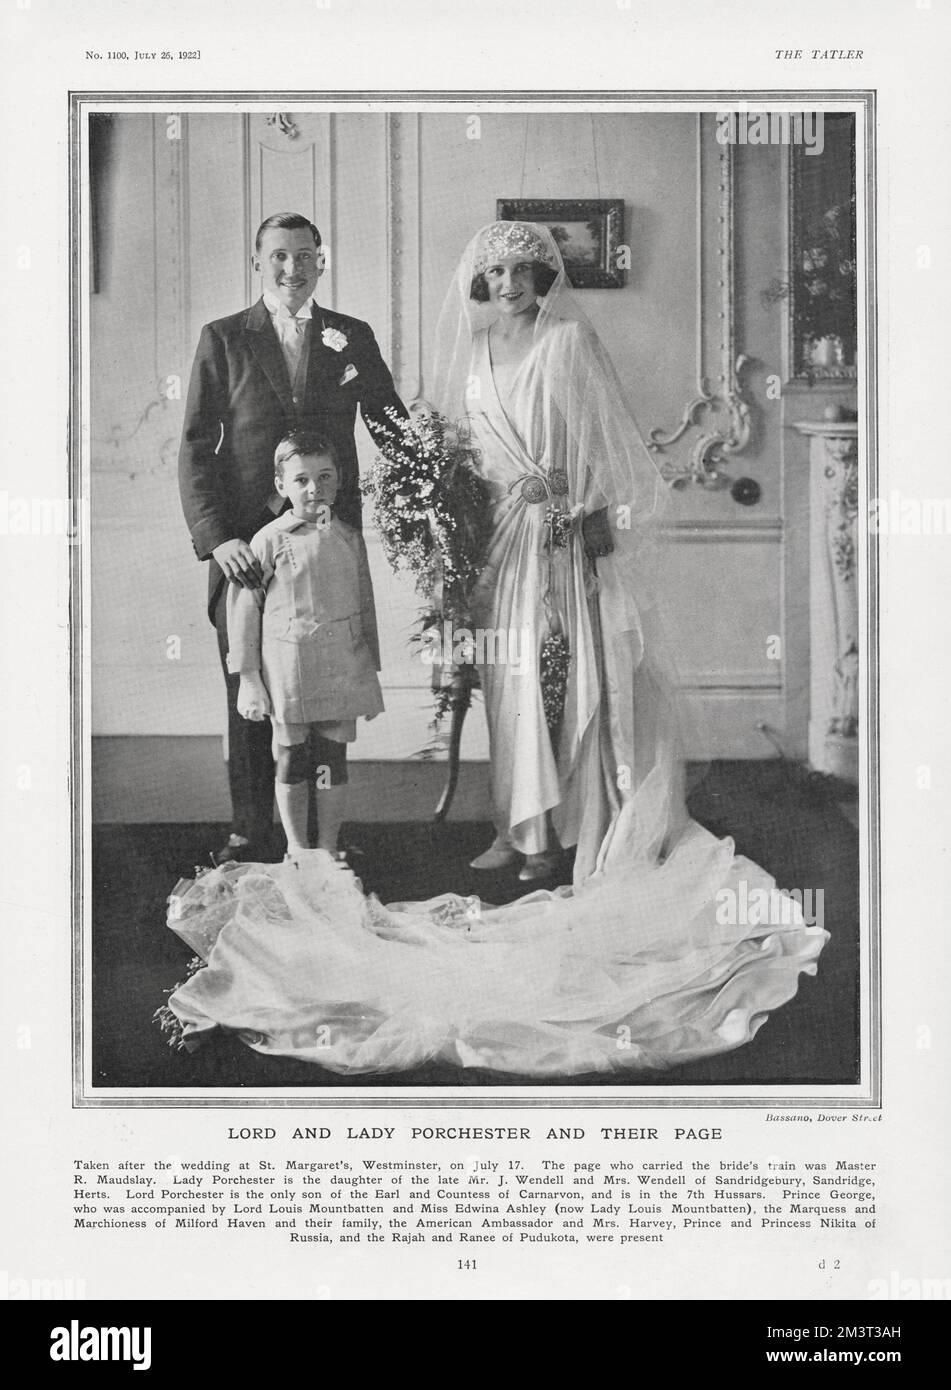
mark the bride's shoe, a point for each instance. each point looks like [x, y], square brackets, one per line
[500, 854]
[538, 866]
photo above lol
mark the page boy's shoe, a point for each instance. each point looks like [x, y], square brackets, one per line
[298, 859]
[338, 857]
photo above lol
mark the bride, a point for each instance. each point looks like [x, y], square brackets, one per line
[643, 962]
[575, 494]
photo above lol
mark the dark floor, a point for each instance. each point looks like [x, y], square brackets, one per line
[783, 820]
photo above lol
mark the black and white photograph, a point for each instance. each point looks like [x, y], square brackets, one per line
[474, 545]
[476, 648]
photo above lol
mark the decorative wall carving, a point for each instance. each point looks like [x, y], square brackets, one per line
[285, 123]
[718, 411]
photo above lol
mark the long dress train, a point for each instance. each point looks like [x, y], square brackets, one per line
[638, 969]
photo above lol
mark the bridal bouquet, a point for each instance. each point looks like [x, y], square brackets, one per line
[432, 509]
[555, 665]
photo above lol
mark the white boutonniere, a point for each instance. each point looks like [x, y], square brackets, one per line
[349, 372]
[333, 338]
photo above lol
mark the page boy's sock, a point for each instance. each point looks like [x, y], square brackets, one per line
[331, 807]
[292, 805]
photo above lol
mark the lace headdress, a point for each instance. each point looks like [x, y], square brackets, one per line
[501, 239]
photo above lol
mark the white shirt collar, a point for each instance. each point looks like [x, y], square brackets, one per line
[287, 521]
[278, 309]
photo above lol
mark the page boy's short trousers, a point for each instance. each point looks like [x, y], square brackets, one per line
[322, 745]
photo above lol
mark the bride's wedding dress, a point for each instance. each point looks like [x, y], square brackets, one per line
[638, 969]
[645, 960]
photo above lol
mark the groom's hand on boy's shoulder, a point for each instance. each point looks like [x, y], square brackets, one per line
[238, 563]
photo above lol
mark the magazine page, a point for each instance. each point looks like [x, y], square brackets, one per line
[473, 532]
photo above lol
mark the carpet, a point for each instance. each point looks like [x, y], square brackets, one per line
[789, 822]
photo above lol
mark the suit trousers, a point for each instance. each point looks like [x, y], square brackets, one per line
[250, 760]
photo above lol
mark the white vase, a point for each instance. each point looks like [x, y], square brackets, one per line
[826, 352]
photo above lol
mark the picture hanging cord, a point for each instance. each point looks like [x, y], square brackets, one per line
[521, 182]
[594, 146]
[594, 149]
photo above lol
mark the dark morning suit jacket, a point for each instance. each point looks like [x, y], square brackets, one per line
[240, 405]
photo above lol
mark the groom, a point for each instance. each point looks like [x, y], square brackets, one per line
[284, 364]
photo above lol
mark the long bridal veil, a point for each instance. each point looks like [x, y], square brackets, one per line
[575, 387]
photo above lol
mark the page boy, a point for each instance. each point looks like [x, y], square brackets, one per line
[305, 643]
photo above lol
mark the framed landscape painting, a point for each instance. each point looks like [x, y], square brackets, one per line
[589, 233]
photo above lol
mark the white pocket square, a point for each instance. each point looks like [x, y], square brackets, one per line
[349, 372]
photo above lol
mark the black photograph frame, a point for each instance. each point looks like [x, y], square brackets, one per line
[605, 217]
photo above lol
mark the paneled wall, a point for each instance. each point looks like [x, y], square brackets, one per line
[397, 196]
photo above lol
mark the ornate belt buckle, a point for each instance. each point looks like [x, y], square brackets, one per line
[534, 490]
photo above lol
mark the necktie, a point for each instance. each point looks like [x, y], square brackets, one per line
[292, 341]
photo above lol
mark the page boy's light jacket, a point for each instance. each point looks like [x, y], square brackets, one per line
[311, 630]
